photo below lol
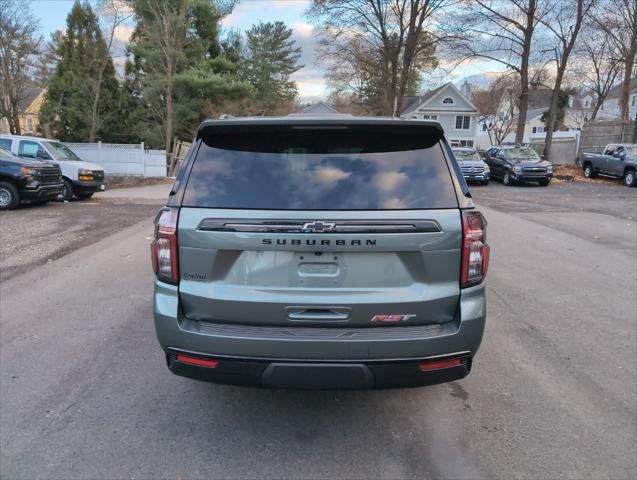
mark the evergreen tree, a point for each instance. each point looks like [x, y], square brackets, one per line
[84, 77]
[177, 68]
[270, 59]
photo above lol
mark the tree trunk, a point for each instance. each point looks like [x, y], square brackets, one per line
[96, 104]
[629, 64]
[169, 123]
[524, 72]
[598, 105]
[550, 122]
[522, 109]
[623, 100]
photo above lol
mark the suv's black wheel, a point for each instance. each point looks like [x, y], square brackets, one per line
[629, 178]
[588, 171]
[67, 191]
[544, 182]
[9, 196]
[507, 179]
[82, 196]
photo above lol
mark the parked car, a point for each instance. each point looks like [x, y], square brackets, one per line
[27, 180]
[515, 164]
[473, 168]
[337, 252]
[617, 160]
[81, 179]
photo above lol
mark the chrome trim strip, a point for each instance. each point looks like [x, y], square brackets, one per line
[297, 226]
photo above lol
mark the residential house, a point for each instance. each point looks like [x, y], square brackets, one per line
[578, 112]
[448, 106]
[29, 107]
[610, 108]
[318, 108]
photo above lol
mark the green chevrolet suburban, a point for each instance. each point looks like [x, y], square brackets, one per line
[329, 252]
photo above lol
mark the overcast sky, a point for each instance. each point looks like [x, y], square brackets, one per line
[52, 15]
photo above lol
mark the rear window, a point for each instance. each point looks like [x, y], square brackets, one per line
[302, 168]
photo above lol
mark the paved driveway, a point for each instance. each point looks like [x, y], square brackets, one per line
[84, 391]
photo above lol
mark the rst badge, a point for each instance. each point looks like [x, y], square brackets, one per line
[393, 318]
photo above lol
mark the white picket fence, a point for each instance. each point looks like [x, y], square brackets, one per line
[123, 159]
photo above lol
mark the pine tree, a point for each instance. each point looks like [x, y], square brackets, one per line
[84, 77]
[270, 59]
[177, 69]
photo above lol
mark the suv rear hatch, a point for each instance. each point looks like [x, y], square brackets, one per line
[319, 224]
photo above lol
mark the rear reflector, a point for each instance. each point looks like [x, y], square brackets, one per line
[435, 365]
[197, 361]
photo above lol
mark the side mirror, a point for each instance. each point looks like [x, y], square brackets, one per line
[41, 154]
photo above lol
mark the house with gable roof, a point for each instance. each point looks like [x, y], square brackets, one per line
[448, 106]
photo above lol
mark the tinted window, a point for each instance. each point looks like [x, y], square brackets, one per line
[5, 143]
[327, 170]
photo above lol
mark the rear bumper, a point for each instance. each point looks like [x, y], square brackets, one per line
[43, 192]
[273, 373]
[385, 352]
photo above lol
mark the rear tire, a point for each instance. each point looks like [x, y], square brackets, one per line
[83, 196]
[629, 178]
[507, 180]
[9, 196]
[67, 191]
[588, 171]
[545, 183]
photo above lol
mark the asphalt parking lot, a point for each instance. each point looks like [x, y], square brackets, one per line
[84, 391]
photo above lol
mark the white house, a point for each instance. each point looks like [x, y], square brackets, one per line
[449, 106]
[610, 108]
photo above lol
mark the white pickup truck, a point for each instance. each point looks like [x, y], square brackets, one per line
[81, 179]
[617, 160]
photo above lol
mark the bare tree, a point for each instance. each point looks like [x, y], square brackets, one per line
[113, 14]
[387, 41]
[497, 105]
[596, 64]
[618, 20]
[563, 27]
[18, 44]
[504, 31]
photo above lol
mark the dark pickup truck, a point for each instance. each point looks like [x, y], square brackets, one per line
[27, 180]
[617, 160]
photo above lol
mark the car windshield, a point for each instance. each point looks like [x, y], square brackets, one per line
[61, 152]
[526, 154]
[462, 155]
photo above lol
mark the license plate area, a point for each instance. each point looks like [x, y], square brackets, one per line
[316, 270]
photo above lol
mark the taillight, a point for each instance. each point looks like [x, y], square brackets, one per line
[475, 251]
[164, 246]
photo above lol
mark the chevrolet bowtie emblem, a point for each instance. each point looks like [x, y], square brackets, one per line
[318, 227]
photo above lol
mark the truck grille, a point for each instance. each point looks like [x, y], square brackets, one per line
[98, 175]
[534, 169]
[468, 169]
[49, 175]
